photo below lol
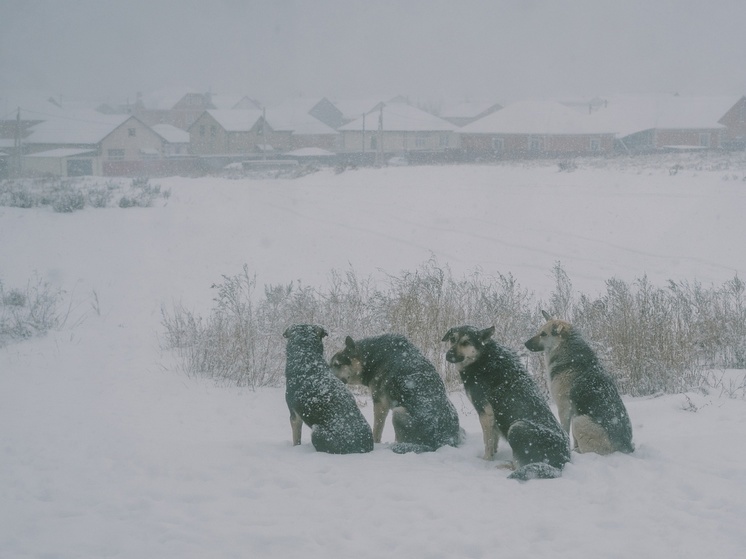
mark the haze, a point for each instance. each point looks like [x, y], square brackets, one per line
[439, 50]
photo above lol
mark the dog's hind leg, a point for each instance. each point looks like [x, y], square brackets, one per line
[380, 412]
[296, 426]
[490, 432]
[590, 436]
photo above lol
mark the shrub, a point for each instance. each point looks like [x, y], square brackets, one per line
[30, 312]
[652, 339]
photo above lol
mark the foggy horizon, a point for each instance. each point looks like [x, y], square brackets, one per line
[440, 51]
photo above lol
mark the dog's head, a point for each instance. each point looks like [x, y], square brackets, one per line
[309, 333]
[466, 344]
[347, 365]
[551, 335]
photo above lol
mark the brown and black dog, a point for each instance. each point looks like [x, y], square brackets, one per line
[587, 399]
[508, 403]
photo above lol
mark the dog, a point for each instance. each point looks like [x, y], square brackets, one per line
[508, 403]
[587, 399]
[400, 379]
[319, 399]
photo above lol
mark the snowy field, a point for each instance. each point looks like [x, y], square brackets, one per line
[108, 450]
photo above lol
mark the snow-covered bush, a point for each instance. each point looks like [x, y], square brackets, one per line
[29, 312]
[652, 339]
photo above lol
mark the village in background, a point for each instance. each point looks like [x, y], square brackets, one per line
[191, 133]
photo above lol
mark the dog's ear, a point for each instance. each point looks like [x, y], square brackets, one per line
[320, 332]
[546, 315]
[349, 343]
[449, 335]
[486, 334]
[561, 329]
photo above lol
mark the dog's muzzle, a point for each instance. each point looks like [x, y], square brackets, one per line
[453, 357]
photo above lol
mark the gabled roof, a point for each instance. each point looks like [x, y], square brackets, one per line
[353, 109]
[468, 109]
[225, 101]
[627, 115]
[238, 120]
[400, 117]
[76, 127]
[297, 121]
[536, 117]
[171, 134]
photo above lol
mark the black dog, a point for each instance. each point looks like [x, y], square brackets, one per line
[508, 404]
[319, 399]
[403, 380]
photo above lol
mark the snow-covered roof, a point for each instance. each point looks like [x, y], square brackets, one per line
[536, 117]
[224, 101]
[400, 117]
[627, 115]
[76, 127]
[238, 120]
[352, 109]
[297, 121]
[63, 152]
[171, 134]
[466, 109]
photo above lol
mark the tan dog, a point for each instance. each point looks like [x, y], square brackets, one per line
[587, 399]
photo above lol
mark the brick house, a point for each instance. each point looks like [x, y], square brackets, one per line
[535, 129]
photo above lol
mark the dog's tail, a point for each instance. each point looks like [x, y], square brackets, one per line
[536, 470]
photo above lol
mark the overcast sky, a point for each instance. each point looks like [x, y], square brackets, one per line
[441, 50]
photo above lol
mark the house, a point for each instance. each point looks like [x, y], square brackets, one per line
[321, 109]
[668, 122]
[21, 109]
[354, 109]
[734, 120]
[175, 140]
[122, 144]
[232, 132]
[399, 128]
[294, 120]
[467, 112]
[536, 129]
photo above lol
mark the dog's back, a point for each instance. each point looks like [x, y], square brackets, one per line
[317, 398]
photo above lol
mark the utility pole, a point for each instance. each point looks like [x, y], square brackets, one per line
[363, 135]
[264, 134]
[379, 153]
[17, 145]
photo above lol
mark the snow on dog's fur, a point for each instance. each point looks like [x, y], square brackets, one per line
[403, 380]
[317, 398]
[508, 404]
[587, 399]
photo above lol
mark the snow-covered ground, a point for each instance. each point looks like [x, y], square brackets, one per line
[107, 450]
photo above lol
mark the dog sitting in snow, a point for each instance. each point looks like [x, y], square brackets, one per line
[587, 399]
[508, 404]
[401, 379]
[319, 399]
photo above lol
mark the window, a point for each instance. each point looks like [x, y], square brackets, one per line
[115, 154]
[704, 139]
[420, 140]
[132, 131]
[498, 144]
[213, 131]
[202, 131]
[595, 144]
[444, 140]
[535, 143]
